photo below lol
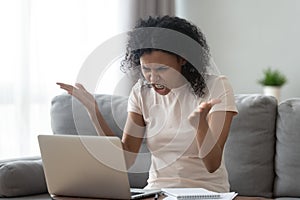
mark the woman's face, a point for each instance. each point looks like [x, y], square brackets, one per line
[162, 70]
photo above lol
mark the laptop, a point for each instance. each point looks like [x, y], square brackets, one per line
[77, 166]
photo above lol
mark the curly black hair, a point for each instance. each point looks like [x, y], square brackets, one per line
[146, 40]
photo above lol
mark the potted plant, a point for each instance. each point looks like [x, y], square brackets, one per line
[272, 82]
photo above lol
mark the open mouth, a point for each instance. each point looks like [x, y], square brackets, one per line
[161, 89]
[158, 86]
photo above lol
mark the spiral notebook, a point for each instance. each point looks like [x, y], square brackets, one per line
[196, 193]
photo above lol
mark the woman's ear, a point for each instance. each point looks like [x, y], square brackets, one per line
[182, 61]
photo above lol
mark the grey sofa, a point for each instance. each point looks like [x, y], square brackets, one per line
[262, 153]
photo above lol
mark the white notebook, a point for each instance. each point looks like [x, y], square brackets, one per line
[196, 193]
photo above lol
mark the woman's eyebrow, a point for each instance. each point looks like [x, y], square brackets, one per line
[145, 67]
[158, 66]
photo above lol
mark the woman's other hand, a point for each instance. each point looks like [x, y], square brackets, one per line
[79, 92]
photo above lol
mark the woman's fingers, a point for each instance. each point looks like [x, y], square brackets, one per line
[80, 86]
[214, 101]
[67, 87]
[71, 88]
[202, 111]
[77, 91]
[205, 107]
[209, 104]
[63, 84]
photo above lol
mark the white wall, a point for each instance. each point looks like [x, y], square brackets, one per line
[247, 36]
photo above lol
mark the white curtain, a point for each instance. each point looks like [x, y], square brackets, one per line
[45, 41]
[42, 42]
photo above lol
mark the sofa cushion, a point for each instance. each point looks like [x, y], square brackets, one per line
[249, 150]
[23, 177]
[287, 159]
[68, 116]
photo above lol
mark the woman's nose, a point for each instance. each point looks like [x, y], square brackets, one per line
[154, 77]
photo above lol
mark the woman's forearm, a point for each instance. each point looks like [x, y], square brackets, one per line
[209, 149]
[99, 122]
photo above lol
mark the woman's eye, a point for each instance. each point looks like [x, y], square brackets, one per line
[146, 69]
[161, 68]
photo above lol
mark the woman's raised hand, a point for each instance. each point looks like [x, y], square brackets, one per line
[200, 113]
[78, 91]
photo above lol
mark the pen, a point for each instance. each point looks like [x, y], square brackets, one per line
[156, 196]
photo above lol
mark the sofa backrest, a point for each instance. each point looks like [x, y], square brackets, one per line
[68, 116]
[250, 148]
[249, 152]
[262, 157]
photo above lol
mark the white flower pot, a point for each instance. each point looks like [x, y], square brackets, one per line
[272, 91]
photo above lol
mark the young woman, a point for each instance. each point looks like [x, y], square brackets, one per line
[184, 112]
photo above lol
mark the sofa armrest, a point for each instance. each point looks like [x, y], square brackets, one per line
[20, 177]
[29, 158]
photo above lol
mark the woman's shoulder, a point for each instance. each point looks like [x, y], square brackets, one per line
[215, 77]
[213, 80]
[216, 85]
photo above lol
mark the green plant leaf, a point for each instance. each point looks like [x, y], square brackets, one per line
[272, 78]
